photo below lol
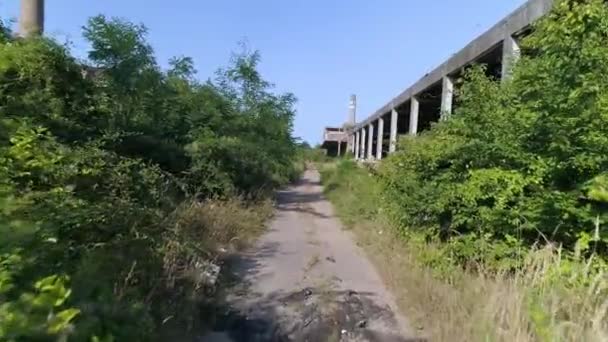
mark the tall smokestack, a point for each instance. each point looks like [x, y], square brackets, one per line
[352, 110]
[31, 21]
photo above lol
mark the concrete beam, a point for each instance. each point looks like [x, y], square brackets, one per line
[414, 112]
[380, 138]
[513, 24]
[370, 141]
[447, 97]
[31, 20]
[392, 147]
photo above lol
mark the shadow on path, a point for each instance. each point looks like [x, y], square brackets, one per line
[310, 314]
[292, 200]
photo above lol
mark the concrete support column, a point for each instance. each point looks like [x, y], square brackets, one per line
[510, 55]
[356, 147]
[349, 143]
[414, 111]
[370, 141]
[447, 96]
[380, 138]
[392, 147]
[31, 20]
[363, 141]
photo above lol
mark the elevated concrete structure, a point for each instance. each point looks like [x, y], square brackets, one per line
[380, 139]
[352, 121]
[335, 141]
[432, 97]
[338, 141]
[352, 110]
[31, 20]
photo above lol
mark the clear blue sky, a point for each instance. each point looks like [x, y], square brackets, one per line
[321, 50]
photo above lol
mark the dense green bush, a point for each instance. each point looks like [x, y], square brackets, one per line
[96, 158]
[519, 162]
[541, 294]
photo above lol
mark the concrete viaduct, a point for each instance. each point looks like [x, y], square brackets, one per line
[431, 98]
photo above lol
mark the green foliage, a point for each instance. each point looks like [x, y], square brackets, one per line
[95, 162]
[34, 314]
[315, 155]
[519, 162]
[478, 287]
[347, 181]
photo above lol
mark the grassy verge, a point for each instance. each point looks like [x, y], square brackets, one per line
[550, 298]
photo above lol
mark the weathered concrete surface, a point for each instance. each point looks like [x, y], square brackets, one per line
[362, 150]
[357, 144]
[31, 20]
[370, 141]
[379, 138]
[393, 132]
[306, 280]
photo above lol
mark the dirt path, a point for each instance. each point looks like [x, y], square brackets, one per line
[306, 280]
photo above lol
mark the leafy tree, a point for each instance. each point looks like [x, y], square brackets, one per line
[94, 162]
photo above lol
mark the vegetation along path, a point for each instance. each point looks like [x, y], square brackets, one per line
[307, 280]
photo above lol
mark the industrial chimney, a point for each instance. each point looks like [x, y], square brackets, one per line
[350, 124]
[352, 110]
[31, 21]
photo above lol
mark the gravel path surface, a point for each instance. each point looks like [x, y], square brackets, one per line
[306, 280]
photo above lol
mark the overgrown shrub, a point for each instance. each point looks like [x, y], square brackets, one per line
[97, 161]
[519, 162]
[453, 290]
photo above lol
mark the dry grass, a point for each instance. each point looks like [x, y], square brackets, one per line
[201, 232]
[550, 299]
[216, 224]
[528, 306]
